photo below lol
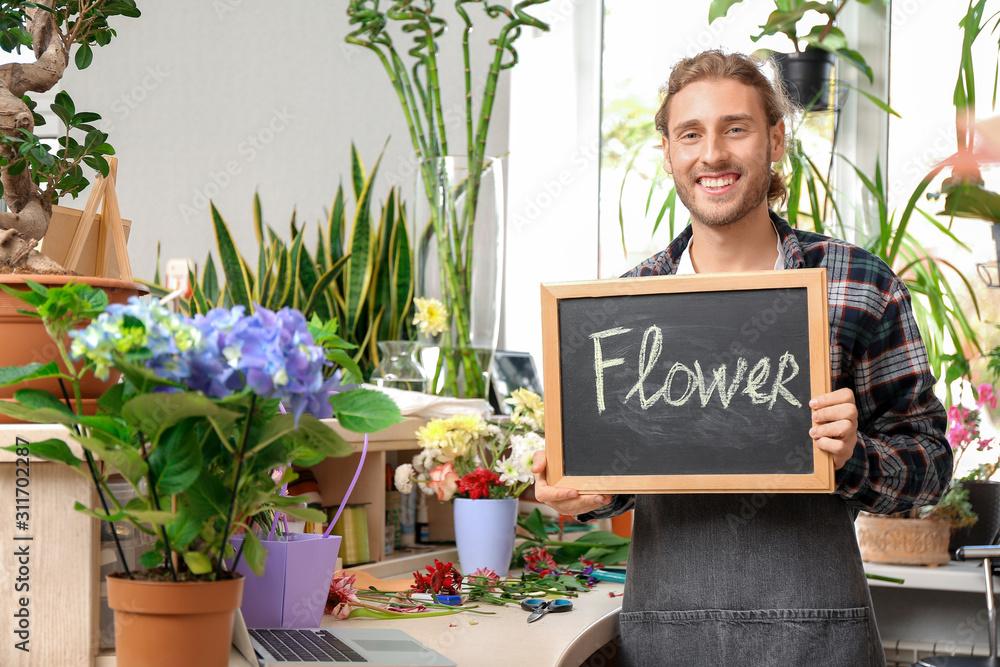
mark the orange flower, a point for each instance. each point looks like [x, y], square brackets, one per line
[444, 481]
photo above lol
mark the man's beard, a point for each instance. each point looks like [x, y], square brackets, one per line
[729, 209]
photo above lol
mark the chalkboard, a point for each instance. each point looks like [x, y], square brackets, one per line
[686, 383]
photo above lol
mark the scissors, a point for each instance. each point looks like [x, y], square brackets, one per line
[539, 607]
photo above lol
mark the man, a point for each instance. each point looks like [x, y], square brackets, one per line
[711, 583]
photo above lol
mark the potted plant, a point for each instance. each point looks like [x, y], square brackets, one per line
[33, 175]
[807, 70]
[483, 467]
[359, 280]
[196, 428]
[458, 237]
[968, 513]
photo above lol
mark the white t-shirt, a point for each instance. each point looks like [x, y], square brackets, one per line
[686, 268]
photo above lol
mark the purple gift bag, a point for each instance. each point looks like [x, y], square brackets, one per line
[293, 590]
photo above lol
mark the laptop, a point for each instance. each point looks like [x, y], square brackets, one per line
[320, 647]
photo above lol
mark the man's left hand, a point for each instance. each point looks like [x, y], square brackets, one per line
[835, 424]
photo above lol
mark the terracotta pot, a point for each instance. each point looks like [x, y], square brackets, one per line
[903, 541]
[25, 340]
[165, 624]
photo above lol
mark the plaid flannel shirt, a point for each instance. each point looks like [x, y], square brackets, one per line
[902, 459]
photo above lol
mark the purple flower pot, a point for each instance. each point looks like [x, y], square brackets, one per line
[296, 582]
[484, 533]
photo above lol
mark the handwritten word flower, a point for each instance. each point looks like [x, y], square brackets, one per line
[444, 482]
[431, 316]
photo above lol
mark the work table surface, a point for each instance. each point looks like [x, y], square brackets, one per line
[504, 637]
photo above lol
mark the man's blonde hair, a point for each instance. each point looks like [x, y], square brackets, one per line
[748, 71]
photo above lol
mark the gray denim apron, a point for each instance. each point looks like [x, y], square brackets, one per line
[746, 580]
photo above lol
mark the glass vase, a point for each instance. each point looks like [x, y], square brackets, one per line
[398, 367]
[462, 372]
[458, 241]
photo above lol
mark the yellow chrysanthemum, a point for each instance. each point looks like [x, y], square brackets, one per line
[527, 404]
[431, 317]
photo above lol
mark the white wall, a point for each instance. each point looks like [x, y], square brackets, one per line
[214, 100]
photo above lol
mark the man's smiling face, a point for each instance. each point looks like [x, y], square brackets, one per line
[720, 149]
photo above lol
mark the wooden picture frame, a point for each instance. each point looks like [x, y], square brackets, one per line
[602, 437]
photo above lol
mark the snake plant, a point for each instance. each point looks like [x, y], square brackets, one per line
[358, 284]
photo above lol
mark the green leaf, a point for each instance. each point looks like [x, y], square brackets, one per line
[184, 529]
[98, 513]
[84, 56]
[37, 399]
[14, 374]
[176, 461]
[535, 524]
[365, 410]
[237, 281]
[316, 437]
[50, 450]
[858, 61]
[720, 8]
[198, 563]
[151, 559]
[207, 497]
[126, 461]
[254, 553]
[305, 513]
[154, 413]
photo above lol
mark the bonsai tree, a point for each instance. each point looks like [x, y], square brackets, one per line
[33, 177]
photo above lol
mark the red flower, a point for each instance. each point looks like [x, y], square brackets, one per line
[538, 559]
[442, 578]
[477, 483]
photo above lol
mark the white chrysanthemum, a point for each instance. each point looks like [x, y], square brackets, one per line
[427, 459]
[404, 478]
[426, 490]
[523, 448]
[511, 473]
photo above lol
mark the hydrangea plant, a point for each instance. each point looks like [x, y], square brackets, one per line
[208, 407]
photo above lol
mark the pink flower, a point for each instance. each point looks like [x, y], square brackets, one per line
[985, 445]
[444, 481]
[538, 559]
[342, 596]
[987, 396]
[484, 576]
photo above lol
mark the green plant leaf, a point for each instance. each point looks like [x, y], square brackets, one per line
[305, 513]
[154, 413]
[15, 374]
[254, 553]
[126, 461]
[535, 524]
[365, 410]
[197, 562]
[176, 461]
[720, 8]
[50, 450]
[238, 283]
[84, 56]
[318, 438]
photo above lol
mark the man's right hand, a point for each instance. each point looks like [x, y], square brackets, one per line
[560, 498]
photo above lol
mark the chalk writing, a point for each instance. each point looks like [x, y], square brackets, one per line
[694, 380]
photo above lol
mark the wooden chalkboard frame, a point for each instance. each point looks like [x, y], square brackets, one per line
[820, 480]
